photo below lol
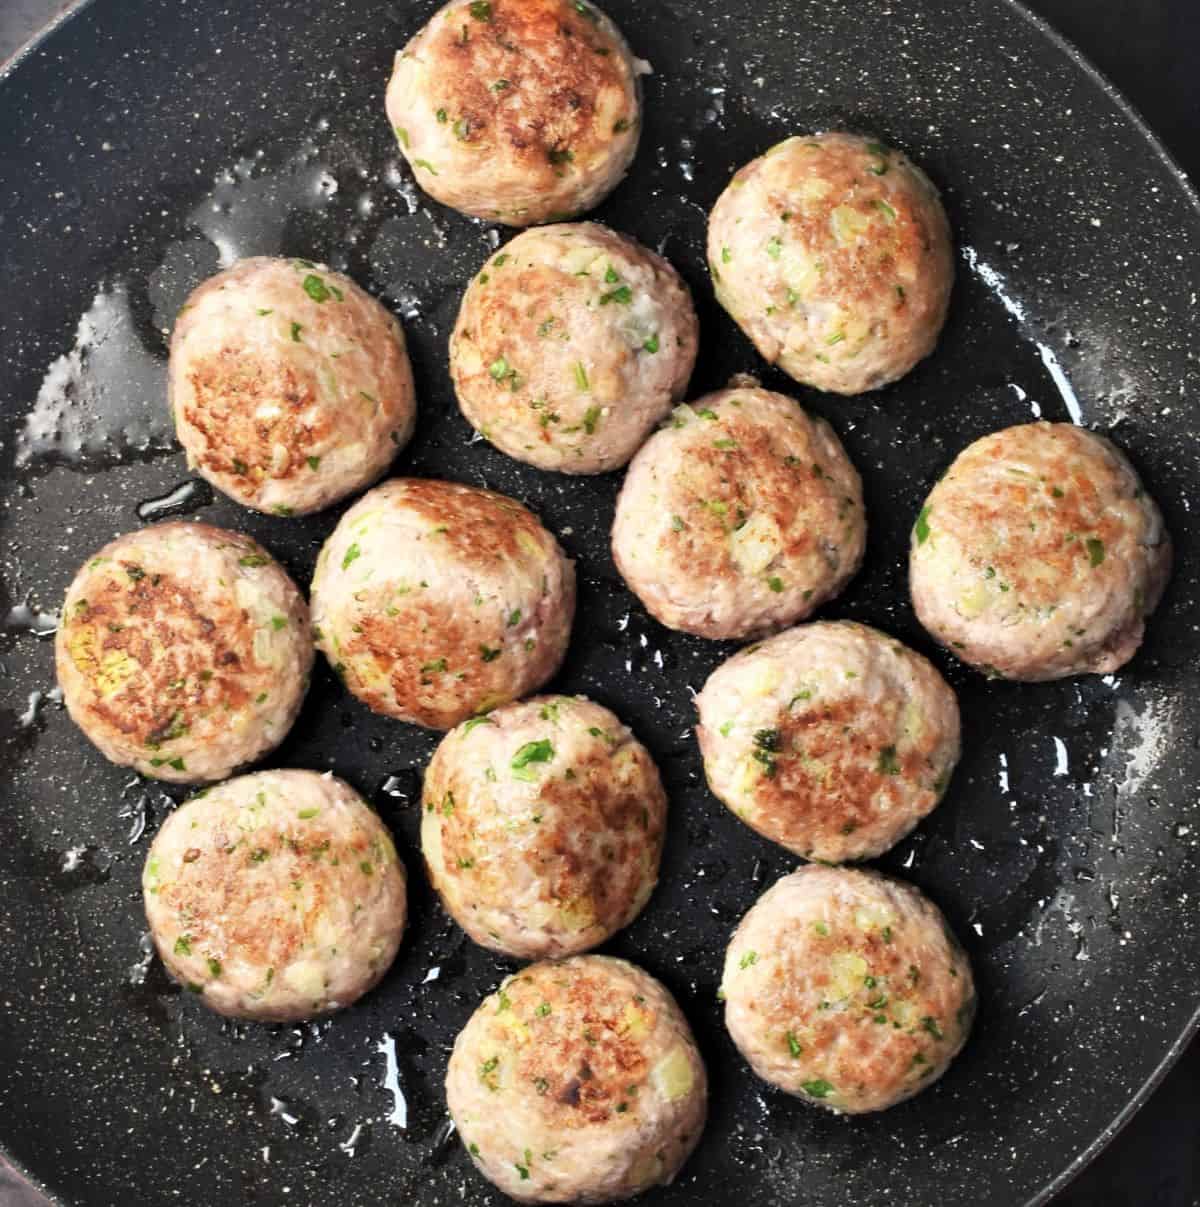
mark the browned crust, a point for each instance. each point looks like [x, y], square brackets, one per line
[549, 53]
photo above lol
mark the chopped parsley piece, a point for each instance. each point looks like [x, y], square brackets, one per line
[278, 622]
[264, 313]
[402, 135]
[583, 10]
[499, 369]
[886, 210]
[441, 116]
[817, 1089]
[352, 554]
[316, 288]
[725, 443]
[888, 763]
[620, 125]
[254, 559]
[481, 10]
[501, 85]
[474, 721]
[560, 155]
[532, 752]
[794, 1045]
[581, 377]
[214, 966]
[726, 255]
[622, 295]
[651, 345]
[590, 419]
[424, 163]
[462, 129]
[488, 654]
[434, 668]
[774, 247]
[775, 583]
[930, 1025]
[183, 945]
[1095, 548]
[921, 527]
[279, 509]
[751, 957]
[514, 617]
[296, 329]
[314, 462]
[308, 814]
[677, 524]
[543, 1010]
[610, 275]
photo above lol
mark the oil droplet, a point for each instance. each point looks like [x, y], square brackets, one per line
[104, 398]
[179, 500]
[391, 1082]
[24, 618]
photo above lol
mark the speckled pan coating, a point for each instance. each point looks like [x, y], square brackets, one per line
[741, 516]
[1039, 555]
[847, 989]
[163, 156]
[184, 651]
[571, 344]
[832, 739]
[276, 896]
[518, 111]
[832, 253]
[289, 386]
[578, 1081]
[434, 601]
[543, 826]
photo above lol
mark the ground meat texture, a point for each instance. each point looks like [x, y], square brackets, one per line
[435, 601]
[847, 989]
[543, 826]
[578, 1082]
[517, 111]
[290, 386]
[831, 739]
[571, 345]
[740, 517]
[833, 254]
[1039, 555]
[184, 651]
[276, 896]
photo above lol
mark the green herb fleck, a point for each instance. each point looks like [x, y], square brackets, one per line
[921, 527]
[183, 945]
[751, 957]
[1095, 548]
[794, 1045]
[817, 1089]
[888, 763]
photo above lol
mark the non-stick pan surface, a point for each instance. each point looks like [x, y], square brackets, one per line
[146, 141]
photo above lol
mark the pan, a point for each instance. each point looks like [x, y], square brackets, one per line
[144, 144]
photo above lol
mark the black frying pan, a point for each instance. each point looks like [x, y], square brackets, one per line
[142, 135]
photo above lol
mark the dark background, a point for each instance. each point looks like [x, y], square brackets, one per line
[1150, 49]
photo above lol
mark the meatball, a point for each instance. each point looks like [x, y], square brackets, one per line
[520, 111]
[290, 386]
[1039, 555]
[184, 651]
[276, 896]
[832, 253]
[739, 518]
[543, 826]
[578, 1082]
[847, 989]
[435, 601]
[571, 345]
[831, 739]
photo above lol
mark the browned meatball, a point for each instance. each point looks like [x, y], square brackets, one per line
[832, 253]
[289, 385]
[435, 601]
[543, 826]
[184, 651]
[518, 110]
